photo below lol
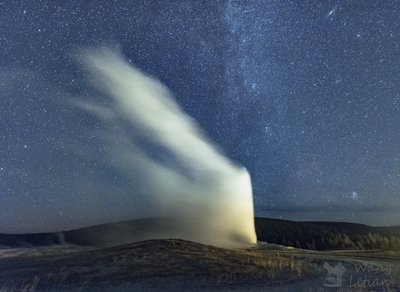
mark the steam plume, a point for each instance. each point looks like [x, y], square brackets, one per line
[165, 152]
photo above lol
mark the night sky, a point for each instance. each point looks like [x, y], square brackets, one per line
[304, 94]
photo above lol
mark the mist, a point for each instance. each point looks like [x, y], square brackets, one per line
[178, 173]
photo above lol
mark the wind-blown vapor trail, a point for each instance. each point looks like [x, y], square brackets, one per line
[184, 175]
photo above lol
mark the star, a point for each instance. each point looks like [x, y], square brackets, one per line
[331, 12]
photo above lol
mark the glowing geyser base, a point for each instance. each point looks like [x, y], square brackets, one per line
[175, 167]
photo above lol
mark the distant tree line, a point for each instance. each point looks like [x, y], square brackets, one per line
[342, 241]
[324, 236]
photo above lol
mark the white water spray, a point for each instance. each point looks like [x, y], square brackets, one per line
[211, 197]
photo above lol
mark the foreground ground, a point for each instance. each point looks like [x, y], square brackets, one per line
[182, 265]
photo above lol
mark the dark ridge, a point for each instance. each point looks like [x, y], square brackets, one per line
[308, 235]
[28, 240]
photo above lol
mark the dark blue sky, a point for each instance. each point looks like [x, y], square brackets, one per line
[305, 94]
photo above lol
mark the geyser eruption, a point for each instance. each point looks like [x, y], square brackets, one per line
[151, 140]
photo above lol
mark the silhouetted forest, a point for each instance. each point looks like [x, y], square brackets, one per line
[327, 235]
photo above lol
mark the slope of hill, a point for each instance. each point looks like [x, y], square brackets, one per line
[179, 265]
[152, 265]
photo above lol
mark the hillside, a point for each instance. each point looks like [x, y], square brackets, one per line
[152, 264]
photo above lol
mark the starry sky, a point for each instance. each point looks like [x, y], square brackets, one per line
[304, 94]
